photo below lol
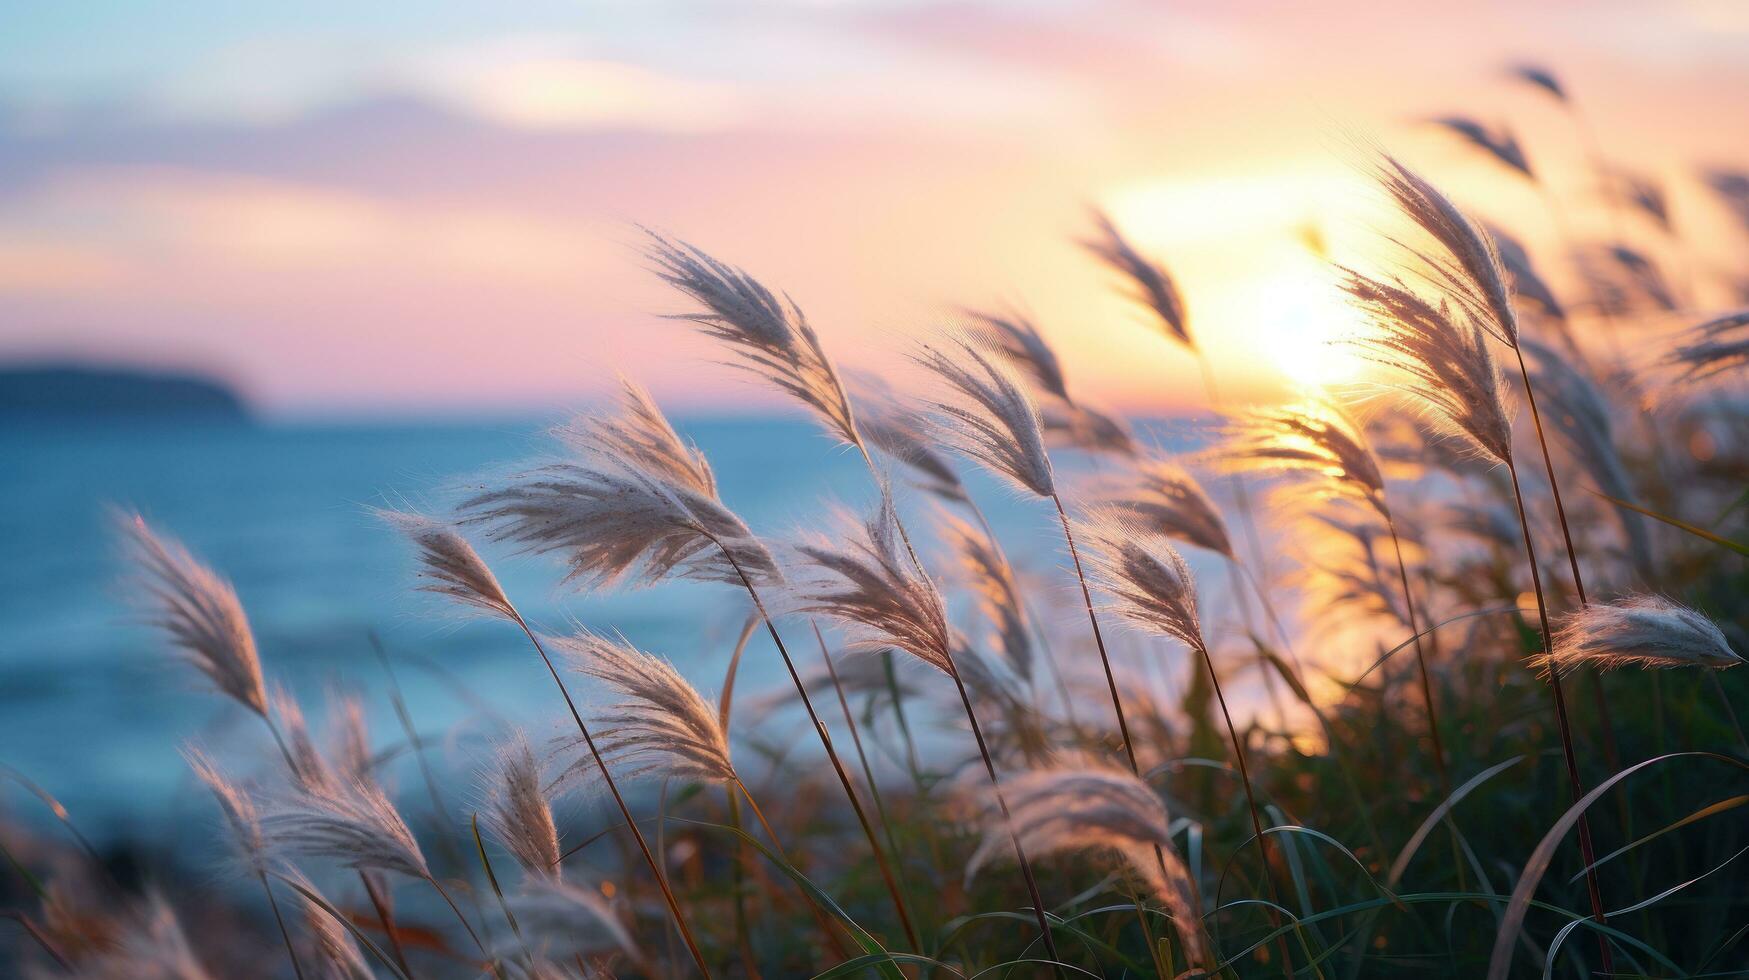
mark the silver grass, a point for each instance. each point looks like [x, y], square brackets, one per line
[1082, 808]
[518, 815]
[859, 579]
[661, 725]
[1717, 345]
[353, 823]
[1165, 499]
[1526, 282]
[1314, 437]
[1623, 278]
[309, 771]
[901, 434]
[1146, 576]
[985, 415]
[1645, 194]
[1540, 77]
[239, 809]
[560, 920]
[612, 522]
[641, 435]
[450, 566]
[1498, 143]
[991, 579]
[1638, 631]
[199, 612]
[1018, 339]
[1077, 426]
[350, 741]
[772, 337]
[1442, 360]
[337, 956]
[153, 946]
[1343, 570]
[1470, 271]
[1152, 285]
[1581, 414]
[1732, 189]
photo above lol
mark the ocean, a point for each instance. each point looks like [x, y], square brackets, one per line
[94, 707]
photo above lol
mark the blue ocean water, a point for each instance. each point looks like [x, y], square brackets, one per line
[94, 707]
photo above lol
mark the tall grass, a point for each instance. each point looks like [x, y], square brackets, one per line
[1159, 823]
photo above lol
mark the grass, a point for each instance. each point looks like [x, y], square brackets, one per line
[1595, 819]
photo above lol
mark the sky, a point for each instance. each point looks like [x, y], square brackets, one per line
[416, 208]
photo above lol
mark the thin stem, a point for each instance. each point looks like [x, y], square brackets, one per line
[1123, 726]
[826, 743]
[279, 920]
[625, 811]
[1250, 796]
[777, 846]
[1033, 621]
[1574, 783]
[1038, 906]
[874, 790]
[1421, 660]
[387, 919]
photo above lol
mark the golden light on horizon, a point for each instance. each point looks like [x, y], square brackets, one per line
[1263, 302]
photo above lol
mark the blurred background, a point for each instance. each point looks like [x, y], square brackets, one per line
[263, 266]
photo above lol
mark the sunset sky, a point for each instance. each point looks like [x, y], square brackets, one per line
[401, 208]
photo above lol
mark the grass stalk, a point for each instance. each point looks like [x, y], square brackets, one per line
[1575, 784]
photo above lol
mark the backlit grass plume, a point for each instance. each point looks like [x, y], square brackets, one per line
[862, 581]
[987, 573]
[1637, 631]
[612, 522]
[518, 814]
[198, 611]
[1146, 576]
[1313, 437]
[771, 336]
[1150, 284]
[1718, 345]
[1496, 141]
[641, 435]
[1072, 809]
[1440, 357]
[1470, 271]
[660, 725]
[355, 824]
[1165, 498]
[984, 414]
[449, 565]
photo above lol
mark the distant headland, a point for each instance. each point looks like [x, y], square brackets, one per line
[56, 391]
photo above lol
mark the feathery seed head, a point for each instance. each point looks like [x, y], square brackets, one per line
[241, 814]
[337, 956]
[772, 337]
[859, 579]
[1442, 360]
[519, 816]
[198, 611]
[662, 725]
[1152, 284]
[353, 822]
[449, 565]
[1717, 345]
[1165, 499]
[1638, 631]
[1017, 338]
[900, 433]
[611, 522]
[1079, 427]
[1086, 806]
[1313, 437]
[1146, 576]
[986, 416]
[992, 580]
[1470, 273]
[309, 771]
[643, 436]
[1497, 143]
[1539, 77]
